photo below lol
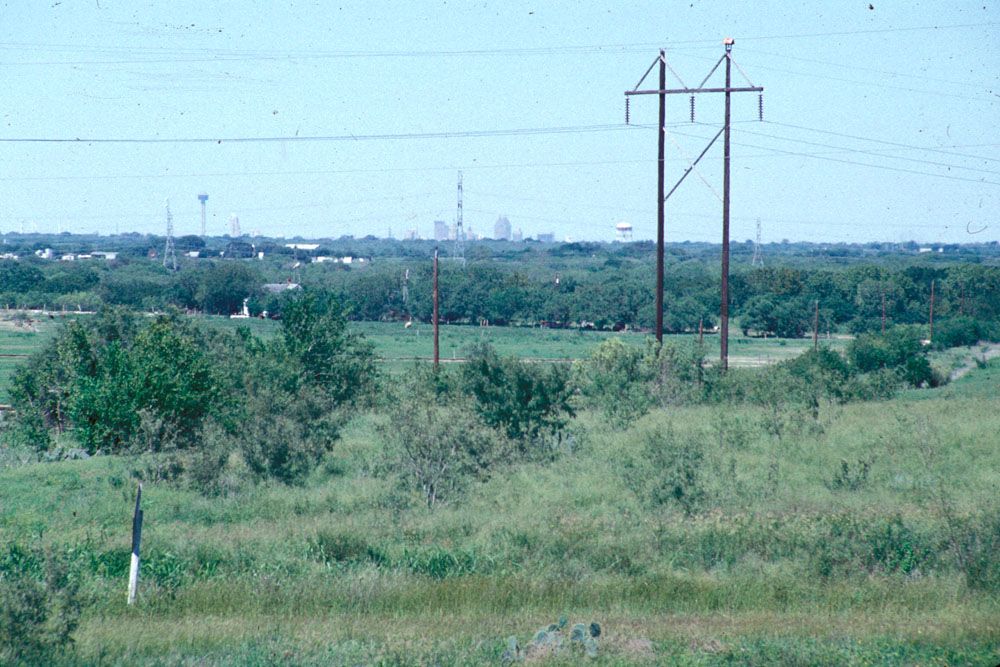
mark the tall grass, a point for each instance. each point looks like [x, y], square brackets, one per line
[863, 534]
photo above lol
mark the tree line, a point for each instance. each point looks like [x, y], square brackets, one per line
[560, 288]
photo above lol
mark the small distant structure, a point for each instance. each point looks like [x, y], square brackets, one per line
[623, 232]
[203, 197]
[244, 313]
[501, 230]
[278, 288]
[441, 230]
[546, 237]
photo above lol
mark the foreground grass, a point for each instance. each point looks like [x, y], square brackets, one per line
[779, 564]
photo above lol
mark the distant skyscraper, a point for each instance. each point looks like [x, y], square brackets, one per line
[441, 230]
[501, 230]
[517, 236]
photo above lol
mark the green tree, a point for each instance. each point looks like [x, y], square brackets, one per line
[226, 285]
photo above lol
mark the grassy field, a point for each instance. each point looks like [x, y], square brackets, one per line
[831, 544]
[396, 346]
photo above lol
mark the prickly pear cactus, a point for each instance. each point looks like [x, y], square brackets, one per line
[549, 641]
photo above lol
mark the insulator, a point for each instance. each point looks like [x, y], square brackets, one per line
[626, 110]
[692, 108]
[760, 106]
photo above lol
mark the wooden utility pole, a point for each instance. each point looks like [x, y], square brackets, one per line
[816, 326]
[436, 358]
[930, 335]
[724, 319]
[660, 201]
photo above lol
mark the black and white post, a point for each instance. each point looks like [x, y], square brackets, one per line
[133, 573]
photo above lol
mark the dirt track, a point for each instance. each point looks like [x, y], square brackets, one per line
[992, 350]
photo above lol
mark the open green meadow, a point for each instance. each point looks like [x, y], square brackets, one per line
[396, 345]
[867, 535]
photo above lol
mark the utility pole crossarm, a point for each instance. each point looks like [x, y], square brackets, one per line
[692, 91]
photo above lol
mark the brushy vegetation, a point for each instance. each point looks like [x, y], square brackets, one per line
[811, 512]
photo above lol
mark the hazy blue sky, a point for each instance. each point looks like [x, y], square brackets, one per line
[880, 122]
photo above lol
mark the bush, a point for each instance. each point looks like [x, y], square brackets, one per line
[39, 605]
[343, 548]
[667, 469]
[957, 332]
[524, 401]
[615, 380]
[439, 448]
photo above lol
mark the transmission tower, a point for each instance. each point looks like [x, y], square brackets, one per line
[662, 91]
[758, 259]
[169, 256]
[459, 230]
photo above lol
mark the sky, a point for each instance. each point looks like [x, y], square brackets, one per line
[331, 118]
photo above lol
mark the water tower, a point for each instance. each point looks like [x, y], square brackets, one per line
[623, 232]
[203, 197]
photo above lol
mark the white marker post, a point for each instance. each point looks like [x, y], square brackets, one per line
[133, 573]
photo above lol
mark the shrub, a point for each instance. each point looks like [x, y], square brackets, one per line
[667, 469]
[525, 401]
[439, 449]
[614, 379]
[39, 605]
[343, 548]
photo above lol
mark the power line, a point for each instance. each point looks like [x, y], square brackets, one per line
[822, 156]
[888, 143]
[864, 69]
[574, 129]
[868, 152]
[236, 55]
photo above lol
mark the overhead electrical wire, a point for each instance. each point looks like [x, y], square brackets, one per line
[230, 55]
[341, 137]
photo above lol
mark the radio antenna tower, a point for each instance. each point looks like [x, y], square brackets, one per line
[459, 230]
[169, 256]
[758, 259]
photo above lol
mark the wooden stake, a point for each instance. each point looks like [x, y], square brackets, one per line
[133, 573]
